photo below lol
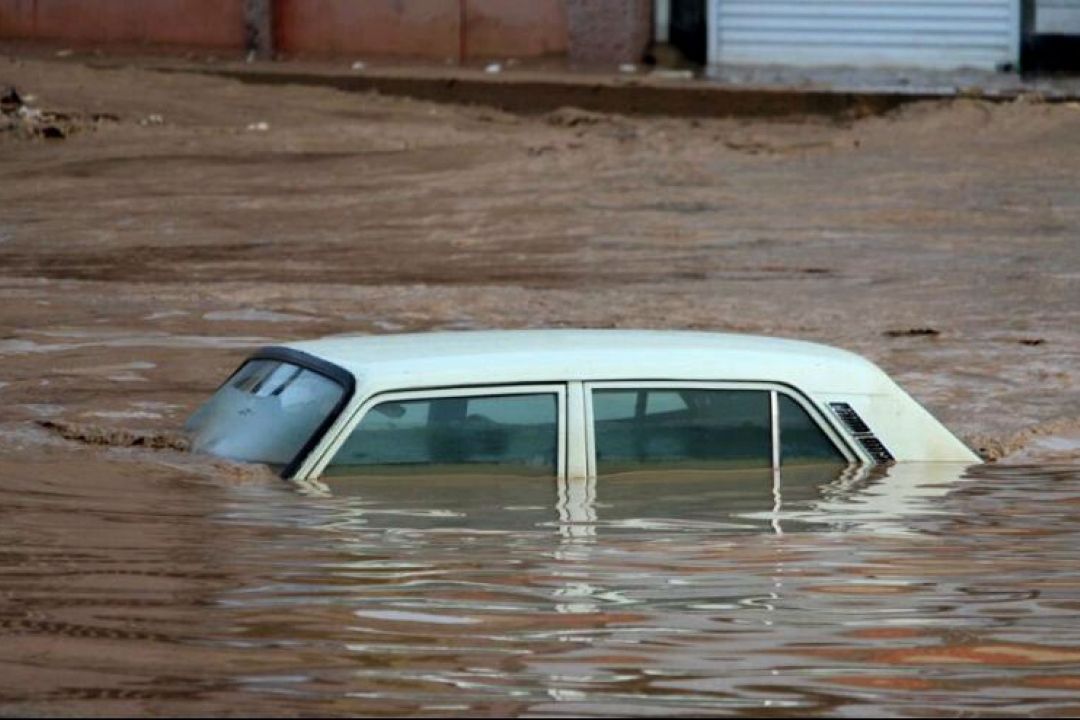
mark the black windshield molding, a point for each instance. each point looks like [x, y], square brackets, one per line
[328, 370]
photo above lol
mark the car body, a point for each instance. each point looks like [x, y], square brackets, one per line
[564, 403]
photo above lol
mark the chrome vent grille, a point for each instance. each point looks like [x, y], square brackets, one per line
[876, 449]
[862, 432]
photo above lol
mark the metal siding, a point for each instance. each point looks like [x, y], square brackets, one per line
[940, 34]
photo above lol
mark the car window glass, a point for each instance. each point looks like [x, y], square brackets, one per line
[396, 415]
[617, 405]
[684, 429]
[508, 434]
[801, 439]
[661, 401]
[266, 412]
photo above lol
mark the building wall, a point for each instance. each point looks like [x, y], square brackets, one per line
[516, 28]
[608, 31]
[434, 29]
[431, 29]
[416, 28]
[204, 23]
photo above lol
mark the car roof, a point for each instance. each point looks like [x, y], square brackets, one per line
[442, 359]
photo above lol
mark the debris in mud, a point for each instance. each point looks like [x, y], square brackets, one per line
[10, 101]
[575, 117]
[758, 145]
[538, 150]
[495, 116]
[913, 332]
[1032, 342]
[116, 437]
[607, 125]
[786, 269]
[665, 74]
[23, 121]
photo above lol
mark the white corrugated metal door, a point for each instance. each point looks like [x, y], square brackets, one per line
[921, 33]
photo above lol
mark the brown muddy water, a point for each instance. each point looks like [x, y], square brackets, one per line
[186, 220]
[158, 589]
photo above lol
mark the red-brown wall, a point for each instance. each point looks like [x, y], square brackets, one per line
[602, 31]
[402, 28]
[436, 29]
[206, 23]
[515, 28]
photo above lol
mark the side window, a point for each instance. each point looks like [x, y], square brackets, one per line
[506, 434]
[801, 440]
[681, 429]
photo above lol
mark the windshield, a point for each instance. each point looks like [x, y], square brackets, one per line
[266, 412]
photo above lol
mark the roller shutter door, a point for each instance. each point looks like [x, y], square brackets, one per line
[941, 34]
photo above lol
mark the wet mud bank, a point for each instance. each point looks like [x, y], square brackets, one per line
[536, 96]
[759, 93]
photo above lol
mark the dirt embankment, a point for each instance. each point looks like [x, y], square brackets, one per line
[181, 220]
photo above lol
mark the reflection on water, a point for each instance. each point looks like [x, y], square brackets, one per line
[915, 590]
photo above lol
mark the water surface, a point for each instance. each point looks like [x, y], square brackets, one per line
[137, 587]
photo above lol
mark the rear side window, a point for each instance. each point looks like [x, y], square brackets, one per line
[801, 439]
[702, 429]
[681, 429]
[504, 434]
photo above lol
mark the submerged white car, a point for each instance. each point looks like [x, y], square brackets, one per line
[562, 403]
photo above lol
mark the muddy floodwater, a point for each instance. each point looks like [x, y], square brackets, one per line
[927, 590]
[157, 227]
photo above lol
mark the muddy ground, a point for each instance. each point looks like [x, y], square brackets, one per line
[182, 220]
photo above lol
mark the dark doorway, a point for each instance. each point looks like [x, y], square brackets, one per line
[1052, 53]
[1046, 48]
[688, 29]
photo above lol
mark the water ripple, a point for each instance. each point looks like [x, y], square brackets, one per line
[146, 590]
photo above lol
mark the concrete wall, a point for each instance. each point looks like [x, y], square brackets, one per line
[202, 23]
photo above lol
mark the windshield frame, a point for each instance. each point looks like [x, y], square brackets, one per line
[326, 369]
